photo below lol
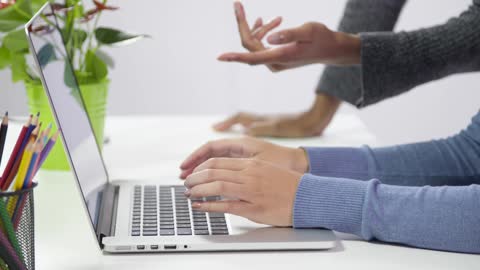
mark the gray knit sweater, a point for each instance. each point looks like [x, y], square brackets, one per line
[393, 63]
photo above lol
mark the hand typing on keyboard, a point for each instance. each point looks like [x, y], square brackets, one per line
[265, 191]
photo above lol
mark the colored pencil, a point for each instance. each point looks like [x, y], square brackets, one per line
[35, 132]
[8, 253]
[17, 214]
[3, 134]
[3, 265]
[46, 132]
[15, 152]
[36, 148]
[31, 128]
[9, 231]
[22, 170]
[46, 150]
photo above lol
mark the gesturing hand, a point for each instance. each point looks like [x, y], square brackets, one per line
[247, 147]
[260, 191]
[308, 44]
[252, 38]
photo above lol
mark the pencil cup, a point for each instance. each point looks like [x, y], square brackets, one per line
[17, 239]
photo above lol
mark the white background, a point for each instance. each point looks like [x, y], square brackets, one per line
[176, 72]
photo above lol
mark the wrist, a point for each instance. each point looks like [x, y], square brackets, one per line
[321, 112]
[300, 160]
[349, 49]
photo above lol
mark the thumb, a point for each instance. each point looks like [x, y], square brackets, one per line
[302, 33]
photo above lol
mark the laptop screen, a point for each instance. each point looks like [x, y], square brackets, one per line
[56, 72]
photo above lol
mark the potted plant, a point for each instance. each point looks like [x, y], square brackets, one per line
[84, 40]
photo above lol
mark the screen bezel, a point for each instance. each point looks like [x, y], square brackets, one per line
[54, 112]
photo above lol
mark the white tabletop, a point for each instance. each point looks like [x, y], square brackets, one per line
[152, 148]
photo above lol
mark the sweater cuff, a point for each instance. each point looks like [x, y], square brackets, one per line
[331, 203]
[343, 162]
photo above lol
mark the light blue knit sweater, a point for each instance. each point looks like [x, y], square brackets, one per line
[424, 195]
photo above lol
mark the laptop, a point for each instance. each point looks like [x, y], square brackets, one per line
[132, 216]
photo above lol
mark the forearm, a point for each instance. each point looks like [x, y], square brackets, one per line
[359, 16]
[451, 161]
[443, 218]
[393, 63]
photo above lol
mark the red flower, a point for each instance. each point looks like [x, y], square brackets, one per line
[98, 7]
[5, 4]
[101, 6]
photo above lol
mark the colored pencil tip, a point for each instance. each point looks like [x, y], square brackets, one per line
[38, 114]
[6, 113]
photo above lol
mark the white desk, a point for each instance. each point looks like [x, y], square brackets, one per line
[64, 239]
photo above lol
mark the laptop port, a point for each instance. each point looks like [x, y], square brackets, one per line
[169, 247]
[154, 247]
[140, 247]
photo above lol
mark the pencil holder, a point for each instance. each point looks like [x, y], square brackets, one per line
[17, 230]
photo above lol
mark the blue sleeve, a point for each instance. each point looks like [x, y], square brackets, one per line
[451, 161]
[441, 218]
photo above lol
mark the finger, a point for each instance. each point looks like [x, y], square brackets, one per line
[232, 164]
[219, 188]
[238, 208]
[303, 33]
[244, 119]
[271, 56]
[211, 175]
[220, 148]
[262, 31]
[258, 24]
[243, 27]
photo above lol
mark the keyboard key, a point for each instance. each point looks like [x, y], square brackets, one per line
[219, 232]
[202, 232]
[184, 231]
[214, 215]
[167, 232]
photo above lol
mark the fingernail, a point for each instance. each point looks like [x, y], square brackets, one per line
[237, 7]
[196, 205]
[276, 38]
[187, 193]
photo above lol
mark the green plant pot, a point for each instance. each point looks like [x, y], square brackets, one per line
[95, 99]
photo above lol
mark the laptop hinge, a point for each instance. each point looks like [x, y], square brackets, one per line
[108, 213]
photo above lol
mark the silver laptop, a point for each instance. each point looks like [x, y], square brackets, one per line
[130, 216]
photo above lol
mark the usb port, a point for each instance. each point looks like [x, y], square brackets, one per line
[140, 247]
[154, 247]
[170, 247]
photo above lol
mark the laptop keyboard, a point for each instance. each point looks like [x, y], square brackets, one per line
[165, 211]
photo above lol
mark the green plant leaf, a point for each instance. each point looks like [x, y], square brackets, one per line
[5, 57]
[16, 41]
[106, 58]
[37, 4]
[74, 38]
[24, 7]
[15, 15]
[10, 19]
[46, 54]
[19, 67]
[110, 36]
[95, 66]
